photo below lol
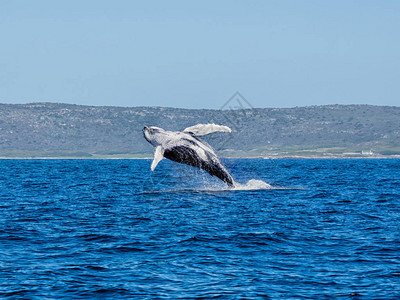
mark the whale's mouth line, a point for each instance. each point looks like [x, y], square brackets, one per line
[146, 130]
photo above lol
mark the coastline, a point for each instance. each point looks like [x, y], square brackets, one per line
[223, 157]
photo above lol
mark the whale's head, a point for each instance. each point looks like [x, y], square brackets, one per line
[154, 135]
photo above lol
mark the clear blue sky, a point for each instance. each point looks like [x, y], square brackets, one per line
[196, 54]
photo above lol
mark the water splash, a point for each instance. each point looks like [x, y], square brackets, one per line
[252, 184]
[208, 187]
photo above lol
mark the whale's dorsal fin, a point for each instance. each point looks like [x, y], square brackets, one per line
[203, 129]
[158, 156]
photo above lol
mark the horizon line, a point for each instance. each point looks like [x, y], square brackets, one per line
[170, 107]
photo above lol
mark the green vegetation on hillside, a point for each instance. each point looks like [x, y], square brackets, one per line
[62, 130]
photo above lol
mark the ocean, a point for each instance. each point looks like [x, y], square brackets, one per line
[293, 229]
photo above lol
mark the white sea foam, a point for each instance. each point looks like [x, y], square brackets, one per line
[209, 185]
[252, 184]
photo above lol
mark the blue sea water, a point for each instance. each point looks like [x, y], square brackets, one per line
[79, 229]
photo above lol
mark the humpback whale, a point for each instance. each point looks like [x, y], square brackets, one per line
[185, 147]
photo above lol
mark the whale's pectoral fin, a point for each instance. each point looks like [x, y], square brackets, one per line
[203, 129]
[158, 156]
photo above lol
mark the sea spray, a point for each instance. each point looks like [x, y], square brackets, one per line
[252, 184]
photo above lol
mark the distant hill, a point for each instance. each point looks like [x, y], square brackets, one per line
[59, 130]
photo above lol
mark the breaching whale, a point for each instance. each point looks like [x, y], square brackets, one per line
[184, 147]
